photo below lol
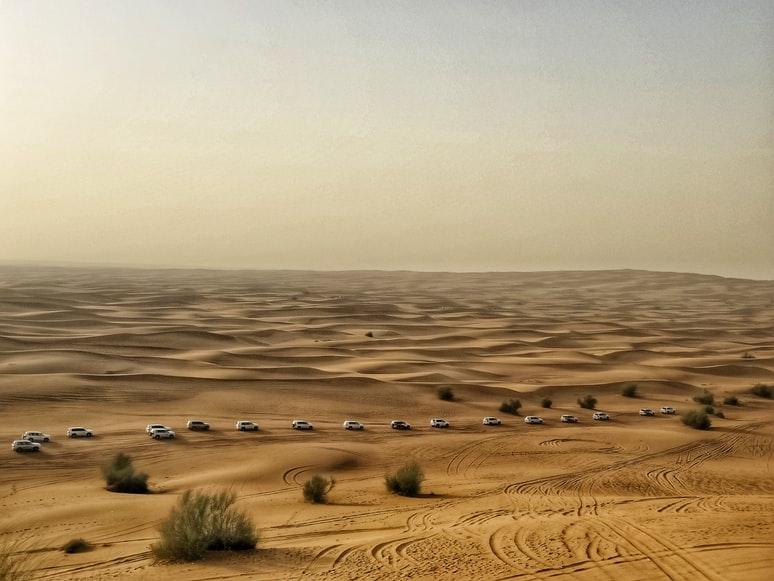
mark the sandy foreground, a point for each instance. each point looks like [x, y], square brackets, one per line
[634, 498]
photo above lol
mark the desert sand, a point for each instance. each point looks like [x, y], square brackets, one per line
[635, 498]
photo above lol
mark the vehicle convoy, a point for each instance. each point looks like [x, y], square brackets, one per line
[197, 425]
[302, 425]
[400, 425]
[569, 419]
[25, 446]
[245, 426]
[601, 416]
[36, 437]
[490, 421]
[79, 433]
[439, 423]
[353, 425]
[533, 420]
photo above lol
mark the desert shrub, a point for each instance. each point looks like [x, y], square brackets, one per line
[720, 414]
[76, 546]
[406, 481]
[511, 406]
[629, 390]
[316, 489]
[748, 355]
[705, 399]
[708, 409]
[546, 403]
[697, 419]
[121, 477]
[370, 334]
[445, 393]
[731, 400]
[587, 402]
[762, 390]
[15, 559]
[202, 522]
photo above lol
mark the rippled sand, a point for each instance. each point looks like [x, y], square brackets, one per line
[634, 498]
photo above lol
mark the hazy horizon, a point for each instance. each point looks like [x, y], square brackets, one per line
[439, 136]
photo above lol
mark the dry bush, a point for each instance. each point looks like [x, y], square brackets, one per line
[121, 477]
[512, 406]
[588, 402]
[316, 489]
[202, 522]
[407, 481]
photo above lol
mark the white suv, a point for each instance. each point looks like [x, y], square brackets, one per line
[245, 426]
[533, 420]
[79, 433]
[601, 416]
[353, 425]
[36, 437]
[438, 423]
[150, 427]
[25, 446]
[197, 425]
[569, 419]
[162, 434]
[492, 421]
[667, 410]
[302, 425]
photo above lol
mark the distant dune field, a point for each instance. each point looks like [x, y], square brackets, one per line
[635, 498]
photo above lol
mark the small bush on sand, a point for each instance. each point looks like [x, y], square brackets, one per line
[316, 489]
[731, 400]
[445, 393]
[76, 546]
[763, 390]
[546, 403]
[705, 399]
[406, 481]
[587, 402]
[121, 477]
[697, 419]
[708, 409]
[720, 414]
[748, 355]
[511, 406]
[629, 390]
[15, 558]
[202, 522]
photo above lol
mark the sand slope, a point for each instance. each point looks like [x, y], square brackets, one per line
[634, 498]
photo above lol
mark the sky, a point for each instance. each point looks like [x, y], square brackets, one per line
[405, 135]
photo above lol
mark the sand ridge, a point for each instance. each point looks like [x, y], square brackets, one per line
[637, 497]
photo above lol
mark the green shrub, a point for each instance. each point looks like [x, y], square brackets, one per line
[697, 419]
[121, 477]
[708, 409]
[763, 390]
[705, 399]
[445, 393]
[316, 489]
[731, 400]
[629, 390]
[511, 406]
[76, 546]
[588, 402]
[546, 403]
[202, 522]
[406, 481]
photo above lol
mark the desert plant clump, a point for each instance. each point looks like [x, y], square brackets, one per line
[731, 400]
[512, 406]
[587, 402]
[76, 546]
[763, 390]
[121, 477]
[708, 409]
[748, 355]
[202, 522]
[546, 403]
[720, 414]
[445, 393]
[15, 559]
[316, 489]
[697, 419]
[629, 390]
[705, 399]
[407, 481]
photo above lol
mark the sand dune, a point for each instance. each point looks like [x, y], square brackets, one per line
[635, 498]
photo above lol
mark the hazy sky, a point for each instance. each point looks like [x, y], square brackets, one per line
[426, 135]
